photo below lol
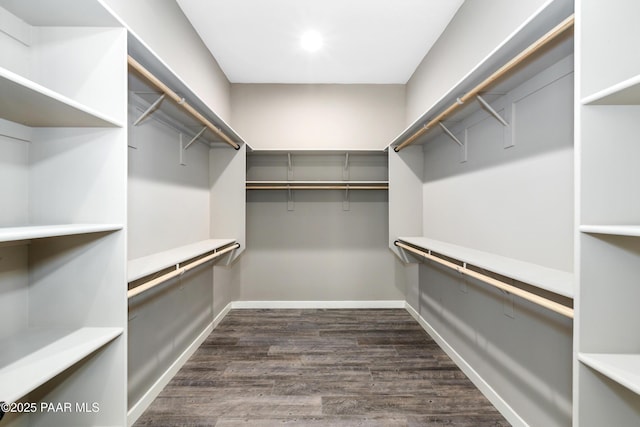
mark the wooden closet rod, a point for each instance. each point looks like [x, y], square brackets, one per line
[536, 299]
[180, 101]
[179, 271]
[317, 187]
[515, 61]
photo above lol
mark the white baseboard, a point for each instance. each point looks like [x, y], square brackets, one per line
[141, 405]
[222, 315]
[316, 304]
[505, 409]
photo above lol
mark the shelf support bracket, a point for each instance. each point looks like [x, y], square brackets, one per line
[181, 157]
[195, 138]
[290, 205]
[491, 111]
[345, 202]
[345, 170]
[149, 110]
[289, 167]
[462, 145]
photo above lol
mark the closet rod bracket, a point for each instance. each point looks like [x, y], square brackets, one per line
[198, 135]
[492, 111]
[462, 145]
[150, 110]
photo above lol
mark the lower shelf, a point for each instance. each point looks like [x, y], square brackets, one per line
[621, 368]
[36, 356]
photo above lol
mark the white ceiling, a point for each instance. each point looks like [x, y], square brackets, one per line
[365, 41]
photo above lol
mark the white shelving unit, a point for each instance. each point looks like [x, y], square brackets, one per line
[548, 279]
[63, 145]
[141, 267]
[313, 170]
[607, 383]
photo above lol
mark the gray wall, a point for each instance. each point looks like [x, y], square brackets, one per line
[516, 202]
[162, 26]
[169, 205]
[318, 251]
[478, 28]
[297, 117]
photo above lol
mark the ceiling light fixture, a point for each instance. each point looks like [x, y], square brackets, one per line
[311, 41]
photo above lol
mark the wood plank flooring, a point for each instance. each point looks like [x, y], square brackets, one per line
[320, 368]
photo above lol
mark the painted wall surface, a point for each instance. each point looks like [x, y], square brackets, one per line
[317, 117]
[168, 203]
[499, 201]
[318, 251]
[162, 26]
[477, 28]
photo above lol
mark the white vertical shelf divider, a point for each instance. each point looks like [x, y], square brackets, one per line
[607, 367]
[63, 137]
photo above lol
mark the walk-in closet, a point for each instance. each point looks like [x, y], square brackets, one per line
[199, 228]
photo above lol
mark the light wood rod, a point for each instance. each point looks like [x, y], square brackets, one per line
[506, 68]
[179, 271]
[317, 187]
[180, 101]
[536, 299]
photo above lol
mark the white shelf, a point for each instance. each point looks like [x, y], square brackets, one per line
[11, 234]
[556, 281]
[548, 16]
[317, 182]
[623, 93]
[621, 368]
[141, 267]
[616, 230]
[34, 357]
[26, 102]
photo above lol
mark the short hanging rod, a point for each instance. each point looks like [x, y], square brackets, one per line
[536, 299]
[149, 110]
[180, 101]
[515, 61]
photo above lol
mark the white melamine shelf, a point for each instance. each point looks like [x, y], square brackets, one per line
[615, 230]
[621, 368]
[623, 93]
[317, 182]
[36, 356]
[11, 234]
[552, 280]
[144, 266]
[26, 102]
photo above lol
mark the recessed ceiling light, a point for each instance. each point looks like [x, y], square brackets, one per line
[311, 41]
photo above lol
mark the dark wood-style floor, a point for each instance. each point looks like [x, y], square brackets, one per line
[320, 368]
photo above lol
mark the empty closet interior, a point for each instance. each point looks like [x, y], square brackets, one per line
[492, 196]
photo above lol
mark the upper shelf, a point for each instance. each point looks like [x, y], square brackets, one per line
[519, 42]
[556, 281]
[615, 230]
[12, 234]
[26, 102]
[141, 86]
[144, 266]
[623, 93]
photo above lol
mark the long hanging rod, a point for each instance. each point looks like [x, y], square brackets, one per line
[515, 61]
[317, 187]
[179, 271]
[180, 101]
[536, 299]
